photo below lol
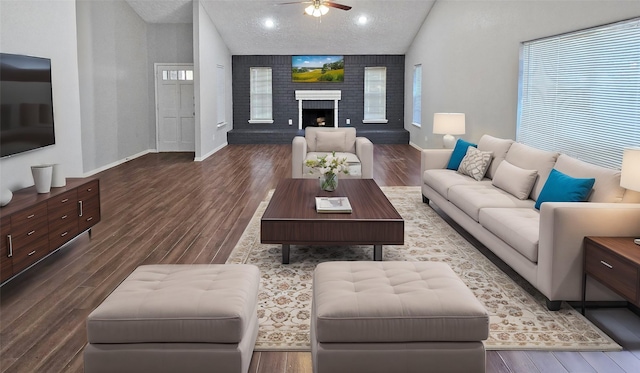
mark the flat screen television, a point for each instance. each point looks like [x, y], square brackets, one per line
[26, 104]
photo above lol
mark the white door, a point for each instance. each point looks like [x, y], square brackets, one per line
[175, 111]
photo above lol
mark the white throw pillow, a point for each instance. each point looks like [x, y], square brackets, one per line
[475, 163]
[330, 141]
[514, 180]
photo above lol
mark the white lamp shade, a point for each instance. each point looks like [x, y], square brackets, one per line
[448, 123]
[630, 178]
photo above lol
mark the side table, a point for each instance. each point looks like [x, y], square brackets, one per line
[615, 262]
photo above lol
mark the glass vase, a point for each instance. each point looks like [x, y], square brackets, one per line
[328, 181]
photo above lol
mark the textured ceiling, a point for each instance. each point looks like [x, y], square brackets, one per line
[390, 28]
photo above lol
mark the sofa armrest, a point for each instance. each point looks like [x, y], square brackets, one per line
[298, 154]
[563, 227]
[364, 151]
[434, 158]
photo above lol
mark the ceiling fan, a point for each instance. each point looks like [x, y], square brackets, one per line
[319, 8]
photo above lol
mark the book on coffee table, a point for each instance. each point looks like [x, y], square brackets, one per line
[333, 205]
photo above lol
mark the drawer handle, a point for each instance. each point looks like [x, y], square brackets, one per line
[89, 189]
[64, 234]
[30, 233]
[10, 254]
[606, 264]
[80, 206]
[89, 219]
[64, 200]
[31, 253]
[63, 217]
[30, 216]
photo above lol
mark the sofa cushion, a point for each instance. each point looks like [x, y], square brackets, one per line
[331, 141]
[499, 147]
[607, 186]
[355, 167]
[311, 134]
[471, 198]
[564, 188]
[459, 151]
[530, 158]
[517, 227]
[441, 180]
[475, 163]
[515, 180]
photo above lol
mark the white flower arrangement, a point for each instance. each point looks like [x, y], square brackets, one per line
[329, 164]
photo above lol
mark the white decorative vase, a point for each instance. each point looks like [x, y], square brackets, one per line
[42, 177]
[5, 196]
[57, 178]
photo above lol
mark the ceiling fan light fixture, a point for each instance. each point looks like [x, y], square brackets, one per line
[309, 10]
[324, 9]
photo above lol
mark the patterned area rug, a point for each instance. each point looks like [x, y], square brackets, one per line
[519, 319]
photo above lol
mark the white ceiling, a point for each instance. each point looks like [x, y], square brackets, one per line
[390, 28]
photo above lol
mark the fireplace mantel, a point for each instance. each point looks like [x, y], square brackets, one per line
[318, 95]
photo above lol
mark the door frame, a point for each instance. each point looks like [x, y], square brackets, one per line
[156, 66]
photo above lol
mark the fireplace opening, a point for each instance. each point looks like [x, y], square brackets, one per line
[317, 118]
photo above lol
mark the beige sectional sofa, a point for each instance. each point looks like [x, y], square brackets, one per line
[544, 246]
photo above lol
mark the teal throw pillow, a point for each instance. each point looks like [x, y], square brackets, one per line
[564, 188]
[459, 152]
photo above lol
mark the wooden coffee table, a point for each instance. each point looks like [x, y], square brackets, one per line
[291, 217]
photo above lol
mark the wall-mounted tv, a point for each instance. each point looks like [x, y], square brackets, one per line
[26, 104]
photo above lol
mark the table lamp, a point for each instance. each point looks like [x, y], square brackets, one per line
[630, 178]
[448, 124]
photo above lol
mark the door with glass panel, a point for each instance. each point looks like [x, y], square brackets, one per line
[175, 111]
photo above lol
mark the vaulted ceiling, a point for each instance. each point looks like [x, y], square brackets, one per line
[390, 25]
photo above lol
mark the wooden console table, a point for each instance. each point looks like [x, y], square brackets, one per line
[615, 262]
[35, 225]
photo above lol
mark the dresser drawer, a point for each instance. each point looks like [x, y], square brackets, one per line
[6, 266]
[26, 256]
[89, 190]
[67, 217]
[61, 235]
[24, 221]
[26, 237]
[90, 214]
[63, 202]
[612, 270]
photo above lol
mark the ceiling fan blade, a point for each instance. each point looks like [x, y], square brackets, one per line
[336, 5]
[295, 2]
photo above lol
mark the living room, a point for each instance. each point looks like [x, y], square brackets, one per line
[103, 54]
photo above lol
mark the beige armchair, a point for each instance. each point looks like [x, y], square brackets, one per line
[320, 141]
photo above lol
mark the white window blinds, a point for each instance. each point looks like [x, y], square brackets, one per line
[580, 93]
[221, 96]
[261, 96]
[417, 95]
[375, 95]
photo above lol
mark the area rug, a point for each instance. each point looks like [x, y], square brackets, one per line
[519, 319]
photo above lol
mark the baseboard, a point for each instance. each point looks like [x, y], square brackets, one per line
[117, 163]
[415, 146]
[200, 159]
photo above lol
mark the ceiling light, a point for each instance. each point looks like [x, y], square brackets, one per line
[316, 10]
[362, 20]
[269, 23]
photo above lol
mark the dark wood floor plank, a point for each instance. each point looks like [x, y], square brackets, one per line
[546, 362]
[601, 362]
[165, 208]
[626, 360]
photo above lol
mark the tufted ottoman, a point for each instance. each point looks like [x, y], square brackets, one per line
[395, 317]
[176, 318]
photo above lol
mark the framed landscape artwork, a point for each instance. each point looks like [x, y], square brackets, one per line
[311, 69]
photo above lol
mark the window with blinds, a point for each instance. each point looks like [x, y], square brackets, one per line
[221, 96]
[375, 95]
[580, 93]
[261, 95]
[417, 95]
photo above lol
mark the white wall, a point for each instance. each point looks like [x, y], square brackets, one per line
[113, 67]
[46, 29]
[209, 52]
[469, 51]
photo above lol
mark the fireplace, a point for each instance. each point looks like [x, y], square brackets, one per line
[323, 100]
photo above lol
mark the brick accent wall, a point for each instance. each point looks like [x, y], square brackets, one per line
[351, 106]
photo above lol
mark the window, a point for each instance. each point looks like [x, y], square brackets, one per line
[261, 96]
[221, 96]
[417, 95]
[579, 93]
[177, 75]
[375, 95]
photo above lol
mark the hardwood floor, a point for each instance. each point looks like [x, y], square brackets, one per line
[165, 208]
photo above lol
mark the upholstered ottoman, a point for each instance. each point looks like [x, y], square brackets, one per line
[176, 318]
[395, 317]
